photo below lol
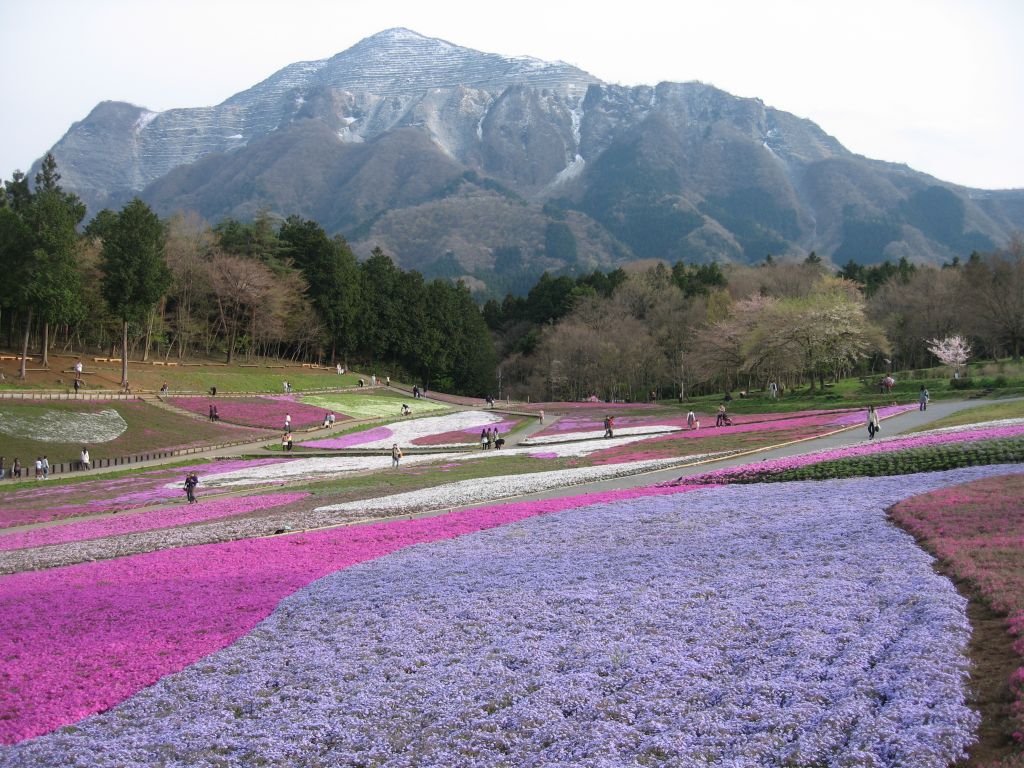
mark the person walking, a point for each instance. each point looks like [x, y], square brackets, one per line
[922, 399]
[691, 420]
[78, 385]
[872, 422]
[773, 389]
[483, 439]
[490, 439]
[607, 426]
[721, 417]
[3, 470]
[46, 469]
[287, 422]
[396, 454]
[191, 481]
[39, 467]
[83, 457]
[16, 469]
[216, 415]
[78, 371]
[211, 411]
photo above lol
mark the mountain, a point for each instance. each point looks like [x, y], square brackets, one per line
[468, 164]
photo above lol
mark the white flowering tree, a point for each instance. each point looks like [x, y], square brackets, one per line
[952, 350]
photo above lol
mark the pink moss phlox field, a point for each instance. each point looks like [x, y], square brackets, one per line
[46, 503]
[567, 426]
[144, 521]
[978, 530]
[866, 448]
[265, 412]
[77, 640]
[351, 440]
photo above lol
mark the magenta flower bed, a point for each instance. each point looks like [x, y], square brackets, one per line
[267, 412]
[78, 640]
[45, 504]
[469, 435]
[745, 423]
[145, 521]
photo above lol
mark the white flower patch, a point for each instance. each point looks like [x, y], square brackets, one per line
[964, 427]
[575, 448]
[405, 432]
[65, 426]
[655, 429]
[498, 487]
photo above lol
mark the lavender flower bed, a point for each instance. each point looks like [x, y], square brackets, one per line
[267, 412]
[746, 626]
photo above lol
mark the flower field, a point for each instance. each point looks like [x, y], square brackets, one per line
[402, 620]
[570, 632]
[63, 426]
[90, 496]
[264, 412]
[977, 530]
[143, 521]
[784, 468]
[459, 429]
[59, 429]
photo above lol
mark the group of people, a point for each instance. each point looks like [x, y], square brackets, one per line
[42, 468]
[286, 440]
[417, 393]
[490, 438]
[328, 419]
[214, 415]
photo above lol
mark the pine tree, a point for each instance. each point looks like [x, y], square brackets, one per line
[135, 275]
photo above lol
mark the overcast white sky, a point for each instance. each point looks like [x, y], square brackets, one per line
[936, 84]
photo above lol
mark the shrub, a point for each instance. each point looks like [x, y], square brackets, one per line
[967, 383]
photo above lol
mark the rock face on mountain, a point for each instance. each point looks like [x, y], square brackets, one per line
[461, 163]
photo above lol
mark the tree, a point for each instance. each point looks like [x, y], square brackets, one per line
[995, 295]
[135, 275]
[40, 255]
[332, 276]
[952, 350]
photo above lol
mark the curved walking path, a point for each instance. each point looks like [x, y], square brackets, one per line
[855, 435]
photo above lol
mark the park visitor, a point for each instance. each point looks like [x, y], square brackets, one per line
[872, 422]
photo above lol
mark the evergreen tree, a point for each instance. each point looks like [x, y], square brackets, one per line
[135, 275]
[332, 274]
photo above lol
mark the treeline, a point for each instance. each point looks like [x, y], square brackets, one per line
[179, 288]
[692, 329]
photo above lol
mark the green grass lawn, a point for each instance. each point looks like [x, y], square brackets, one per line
[373, 405]
[149, 429]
